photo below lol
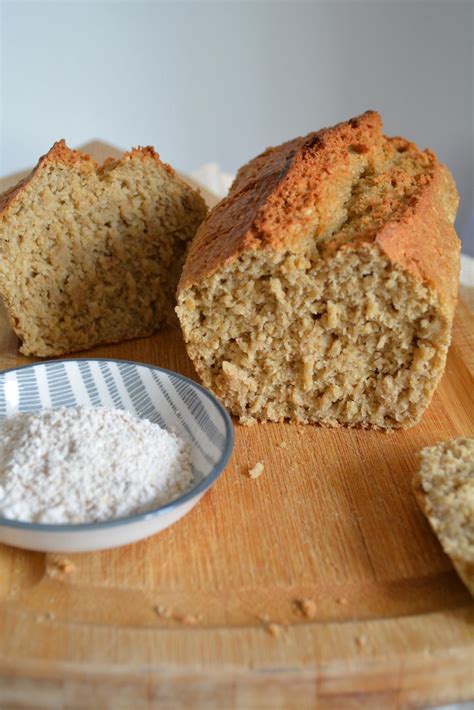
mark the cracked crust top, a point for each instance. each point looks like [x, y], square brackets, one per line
[61, 153]
[273, 200]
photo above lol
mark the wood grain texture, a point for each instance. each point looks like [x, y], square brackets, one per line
[331, 519]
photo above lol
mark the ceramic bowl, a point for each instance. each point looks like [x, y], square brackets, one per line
[164, 397]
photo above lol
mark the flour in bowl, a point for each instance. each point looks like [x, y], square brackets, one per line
[87, 464]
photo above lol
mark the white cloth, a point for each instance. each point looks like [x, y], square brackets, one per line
[217, 181]
[467, 270]
[213, 178]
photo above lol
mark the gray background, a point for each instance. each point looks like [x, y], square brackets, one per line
[222, 80]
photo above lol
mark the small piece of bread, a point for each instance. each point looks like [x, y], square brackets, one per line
[92, 254]
[444, 490]
[257, 470]
[308, 607]
[322, 288]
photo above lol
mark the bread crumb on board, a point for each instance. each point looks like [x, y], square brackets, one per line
[274, 630]
[282, 445]
[361, 641]
[165, 612]
[271, 627]
[257, 470]
[59, 567]
[47, 616]
[308, 607]
[247, 421]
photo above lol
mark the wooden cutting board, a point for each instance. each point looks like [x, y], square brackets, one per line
[208, 613]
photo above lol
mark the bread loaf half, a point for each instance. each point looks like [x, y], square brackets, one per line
[444, 490]
[93, 254]
[322, 288]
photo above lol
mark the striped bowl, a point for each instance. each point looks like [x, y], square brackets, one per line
[164, 397]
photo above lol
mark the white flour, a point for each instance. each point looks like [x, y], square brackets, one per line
[84, 465]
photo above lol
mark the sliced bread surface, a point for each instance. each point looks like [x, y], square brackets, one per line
[444, 490]
[92, 254]
[322, 289]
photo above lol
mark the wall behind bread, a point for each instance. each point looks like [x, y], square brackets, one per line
[222, 80]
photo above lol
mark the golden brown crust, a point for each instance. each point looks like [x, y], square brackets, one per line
[265, 201]
[58, 153]
[148, 152]
[424, 242]
[269, 205]
[61, 153]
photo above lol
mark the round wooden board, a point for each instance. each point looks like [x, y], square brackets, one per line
[208, 613]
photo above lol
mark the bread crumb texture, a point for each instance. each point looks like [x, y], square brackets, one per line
[308, 607]
[59, 566]
[361, 641]
[47, 616]
[445, 490]
[257, 470]
[163, 612]
[92, 254]
[275, 630]
[322, 289]
[187, 619]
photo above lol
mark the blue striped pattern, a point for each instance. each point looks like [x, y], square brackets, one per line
[192, 402]
[29, 394]
[59, 386]
[162, 397]
[172, 404]
[137, 392]
[89, 383]
[111, 386]
[3, 411]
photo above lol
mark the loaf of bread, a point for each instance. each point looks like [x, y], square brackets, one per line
[322, 288]
[444, 490]
[93, 254]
